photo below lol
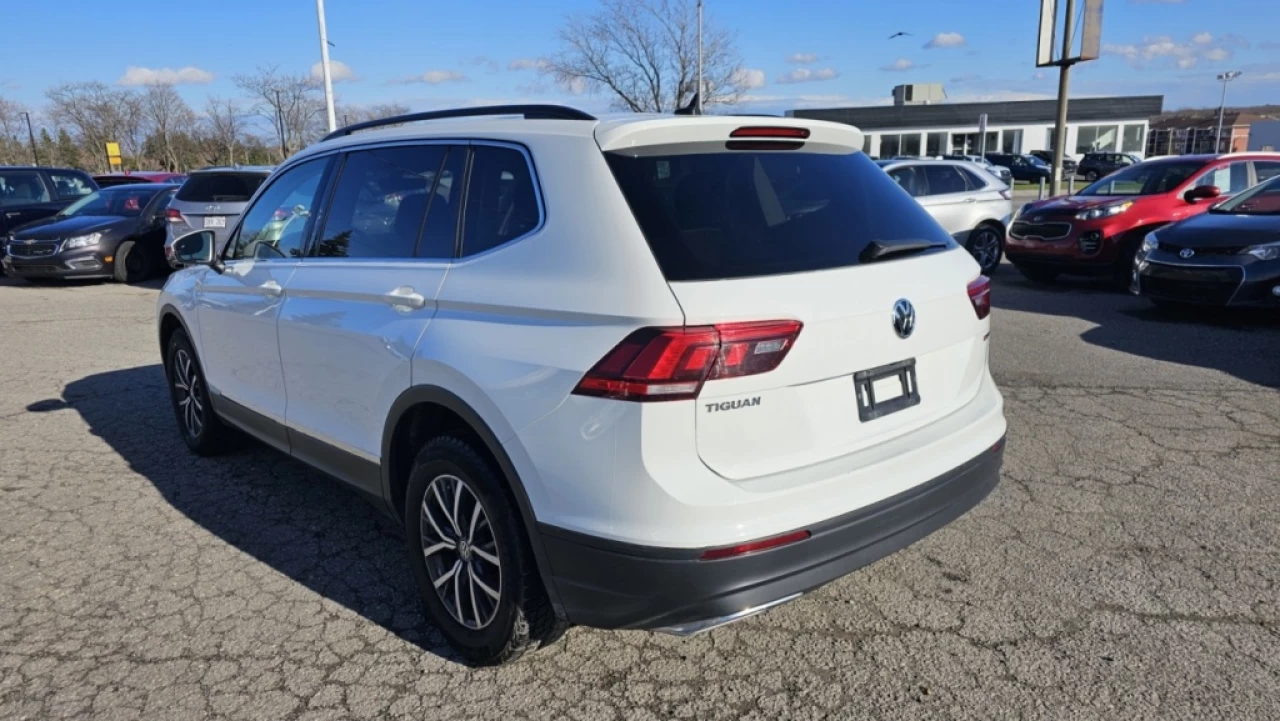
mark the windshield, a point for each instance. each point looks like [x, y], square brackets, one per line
[124, 201]
[1037, 161]
[1144, 179]
[1261, 199]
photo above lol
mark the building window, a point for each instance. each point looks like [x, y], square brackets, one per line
[911, 144]
[1091, 138]
[866, 143]
[1133, 140]
[992, 141]
[889, 145]
[1012, 141]
[936, 144]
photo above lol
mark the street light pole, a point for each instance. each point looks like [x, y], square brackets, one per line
[324, 69]
[31, 136]
[1222, 108]
[697, 96]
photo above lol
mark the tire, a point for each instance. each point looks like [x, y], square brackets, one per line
[1091, 175]
[1038, 274]
[460, 518]
[133, 264]
[201, 429]
[1122, 273]
[986, 245]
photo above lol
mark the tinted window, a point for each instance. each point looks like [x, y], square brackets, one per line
[124, 201]
[1144, 179]
[944, 179]
[501, 202]
[1261, 199]
[220, 187]
[975, 182]
[1230, 179]
[909, 180]
[70, 185]
[439, 232]
[741, 214]
[22, 187]
[1266, 169]
[276, 225]
[380, 202]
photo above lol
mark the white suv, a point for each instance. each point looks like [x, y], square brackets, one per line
[651, 372]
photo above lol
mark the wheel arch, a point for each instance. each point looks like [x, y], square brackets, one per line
[170, 321]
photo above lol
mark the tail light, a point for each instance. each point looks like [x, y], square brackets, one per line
[173, 215]
[764, 544]
[664, 364]
[980, 296]
[1007, 194]
[763, 131]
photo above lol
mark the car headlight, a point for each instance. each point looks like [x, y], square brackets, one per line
[1270, 251]
[82, 241]
[1150, 243]
[1105, 211]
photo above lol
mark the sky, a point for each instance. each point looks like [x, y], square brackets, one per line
[429, 53]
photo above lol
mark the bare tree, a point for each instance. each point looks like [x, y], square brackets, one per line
[645, 53]
[134, 125]
[14, 148]
[93, 110]
[169, 116]
[226, 126]
[292, 103]
[351, 114]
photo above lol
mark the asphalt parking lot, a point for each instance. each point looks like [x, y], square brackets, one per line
[1127, 567]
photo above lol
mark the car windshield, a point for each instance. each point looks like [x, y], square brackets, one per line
[125, 201]
[1037, 161]
[1261, 199]
[1144, 179]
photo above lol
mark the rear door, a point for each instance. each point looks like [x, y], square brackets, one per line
[213, 200]
[787, 235]
[949, 200]
[25, 195]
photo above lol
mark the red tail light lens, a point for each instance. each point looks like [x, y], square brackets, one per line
[768, 131]
[663, 364]
[980, 296]
[173, 215]
[763, 544]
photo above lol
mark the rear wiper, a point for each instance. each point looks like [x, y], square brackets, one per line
[880, 249]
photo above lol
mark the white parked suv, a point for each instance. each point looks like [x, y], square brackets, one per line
[650, 372]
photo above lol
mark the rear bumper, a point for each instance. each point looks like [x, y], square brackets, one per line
[609, 584]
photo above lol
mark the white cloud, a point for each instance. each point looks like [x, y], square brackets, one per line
[901, 65]
[339, 72]
[527, 64]
[490, 65]
[1217, 54]
[749, 78]
[947, 40]
[1202, 38]
[1164, 49]
[434, 77]
[802, 58]
[135, 75]
[805, 75]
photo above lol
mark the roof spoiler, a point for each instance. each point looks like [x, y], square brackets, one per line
[528, 112]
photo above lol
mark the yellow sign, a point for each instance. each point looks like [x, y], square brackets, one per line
[113, 149]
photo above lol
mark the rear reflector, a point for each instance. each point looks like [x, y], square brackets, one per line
[173, 215]
[768, 131]
[980, 296]
[664, 364]
[763, 544]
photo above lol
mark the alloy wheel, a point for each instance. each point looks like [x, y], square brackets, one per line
[186, 385]
[986, 248]
[461, 552]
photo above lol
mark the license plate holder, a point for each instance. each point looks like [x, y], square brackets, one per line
[864, 382]
[215, 221]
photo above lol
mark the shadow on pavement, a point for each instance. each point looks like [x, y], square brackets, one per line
[302, 524]
[1244, 343]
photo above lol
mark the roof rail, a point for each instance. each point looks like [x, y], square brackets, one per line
[529, 112]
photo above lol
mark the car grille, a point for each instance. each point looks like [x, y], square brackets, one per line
[36, 269]
[1227, 250]
[1040, 231]
[18, 249]
[1210, 286]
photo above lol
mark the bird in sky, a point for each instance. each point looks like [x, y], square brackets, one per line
[898, 35]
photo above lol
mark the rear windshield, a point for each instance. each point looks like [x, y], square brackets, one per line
[220, 187]
[740, 214]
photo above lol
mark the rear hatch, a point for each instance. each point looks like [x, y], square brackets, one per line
[754, 230]
[213, 200]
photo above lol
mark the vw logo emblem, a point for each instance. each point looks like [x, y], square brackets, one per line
[1186, 253]
[904, 318]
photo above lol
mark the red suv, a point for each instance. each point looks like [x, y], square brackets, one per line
[1098, 230]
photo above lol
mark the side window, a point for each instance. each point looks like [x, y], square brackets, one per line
[275, 227]
[70, 185]
[439, 232]
[501, 201]
[945, 179]
[22, 187]
[975, 183]
[1231, 178]
[1266, 169]
[906, 179]
[380, 202]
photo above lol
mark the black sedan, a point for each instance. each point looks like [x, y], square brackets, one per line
[1227, 256]
[112, 233]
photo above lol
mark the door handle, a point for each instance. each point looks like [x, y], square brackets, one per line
[405, 297]
[971, 199]
[271, 289]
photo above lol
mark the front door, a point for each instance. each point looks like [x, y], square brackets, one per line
[358, 304]
[239, 307]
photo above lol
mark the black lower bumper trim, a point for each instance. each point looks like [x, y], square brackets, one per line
[608, 584]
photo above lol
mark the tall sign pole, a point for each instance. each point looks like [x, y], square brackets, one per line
[35, 157]
[1090, 45]
[324, 69]
[697, 95]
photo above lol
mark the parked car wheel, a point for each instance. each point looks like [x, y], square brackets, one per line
[471, 559]
[133, 264]
[986, 245]
[1038, 273]
[199, 425]
[1091, 175]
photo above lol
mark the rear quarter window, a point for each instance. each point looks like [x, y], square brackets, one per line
[220, 187]
[739, 214]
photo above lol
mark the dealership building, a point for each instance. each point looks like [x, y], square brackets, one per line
[920, 122]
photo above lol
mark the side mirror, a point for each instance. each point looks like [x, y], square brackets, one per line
[197, 248]
[1203, 192]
